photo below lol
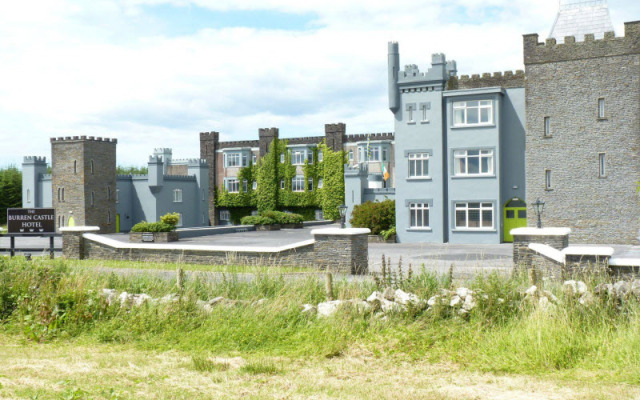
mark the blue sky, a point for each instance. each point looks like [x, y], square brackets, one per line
[155, 73]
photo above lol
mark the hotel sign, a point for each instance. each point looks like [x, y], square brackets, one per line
[31, 221]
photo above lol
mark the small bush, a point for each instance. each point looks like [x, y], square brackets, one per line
[386, 235]
[152, 227]
[377, 216]
[204, 364]
[261, 367]
[257, 220]
[170, 219]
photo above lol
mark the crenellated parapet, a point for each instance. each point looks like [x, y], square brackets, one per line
[179, 178]
[359, 137]
[82, 138]
[507, 79]
[155, 159]
[536, 52]
[238, 143]
[34, 160]
[305, 140]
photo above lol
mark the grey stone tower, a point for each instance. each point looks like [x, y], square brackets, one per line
[335, 135]
[266, 136]
[209, 142]
[582, 140]
[84, 181]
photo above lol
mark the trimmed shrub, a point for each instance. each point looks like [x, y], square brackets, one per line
[170, 219]
[258, 220]
[145, 226]
[377, 216]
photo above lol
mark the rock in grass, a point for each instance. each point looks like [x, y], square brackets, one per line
[170, 298]
[604, 289]
[375, 297]
[389, 294]
[586, 299]
[329, 308]
[455, 300]
[532, 291]
[469, 304]
[621, 288]
[635, 287]
[573, 288]
[552, 298]
[309, 309]
[433, 300]
[404, 298]
[392, 307]
[109, 295]
[463, 292]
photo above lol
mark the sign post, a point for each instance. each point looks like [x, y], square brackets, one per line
[31, 222]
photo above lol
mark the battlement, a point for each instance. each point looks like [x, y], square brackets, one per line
[340, 127]
[359, 137]
[356, 170]
[155, 159]
[304, 140]
[506, 79]
[210, 135]
[179, 178]
[34, 160]
[161, 150]
[125, 177]
[550, 51]
[83, 138]
[239, 143]
[197, 162]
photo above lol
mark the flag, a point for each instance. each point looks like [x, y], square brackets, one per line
[385, 173]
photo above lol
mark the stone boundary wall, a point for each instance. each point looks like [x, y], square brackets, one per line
[558, 238]
[334, 249]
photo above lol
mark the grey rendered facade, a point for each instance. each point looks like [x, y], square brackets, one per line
[84, 190]
[583, 133]
[459, 146]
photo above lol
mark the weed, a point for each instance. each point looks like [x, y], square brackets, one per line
[258, 367]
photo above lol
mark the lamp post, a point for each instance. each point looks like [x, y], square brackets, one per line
[539, 207]
[343, 213]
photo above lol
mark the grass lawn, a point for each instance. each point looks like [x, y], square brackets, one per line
[76, 370]
[60, 338]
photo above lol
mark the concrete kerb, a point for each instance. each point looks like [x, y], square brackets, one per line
[339, 250]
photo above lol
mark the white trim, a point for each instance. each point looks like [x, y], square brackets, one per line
[588, 251]
[341, 232]
[548, 251]
[153, 246]
[80, 229]
[624, 262]
[541, 231]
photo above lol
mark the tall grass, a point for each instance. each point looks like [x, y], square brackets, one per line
[50, 301]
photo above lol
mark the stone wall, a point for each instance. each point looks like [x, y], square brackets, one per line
[558, 238]
[508, 79]
[338, 250]
[564, 83]
[209, 142]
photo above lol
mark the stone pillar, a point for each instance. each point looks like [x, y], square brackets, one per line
[73, 242]
[342, 250]
[558, 238]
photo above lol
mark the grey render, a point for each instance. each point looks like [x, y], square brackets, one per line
[136, 197]
[414, 95]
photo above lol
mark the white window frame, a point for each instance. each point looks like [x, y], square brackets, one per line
[254, 158]
[309, 157]
[281, 184]
[547, 127]
[320, 156]
[245, 160]
[310, 184]
[281, 158]
[254, 185]
[180, 222]
[460, 155]
[350, 155]
[424, 113]
[177, 195]
[233, 185]
[472, 206]
[602, 165]
[320, 183]
[245, 185]
[601, 108]
[297, 157]
[418, 213]
[375, 154]
[418, 159]
[463, 108]
[233, 160]
[225, 215]
[297, 184]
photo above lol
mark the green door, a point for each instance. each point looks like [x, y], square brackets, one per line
[117, 223]
[515, 216]
[72, 222]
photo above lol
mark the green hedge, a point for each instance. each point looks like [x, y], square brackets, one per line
[167, 223]
[378, 216]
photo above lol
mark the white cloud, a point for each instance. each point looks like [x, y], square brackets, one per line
[91, 68]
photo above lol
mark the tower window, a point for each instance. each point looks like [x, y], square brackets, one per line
[547, 127]
[91, 167]
[75, 166]
[547, 179]
[93, 198]
[602, 171]
[177, 195]
[601, 108]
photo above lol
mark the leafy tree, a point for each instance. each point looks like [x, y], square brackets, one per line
[10, 191]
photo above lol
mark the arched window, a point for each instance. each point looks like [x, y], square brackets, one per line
[93, 198]
[59, 191]
[91, 167]
[75, 167]
[62, 200]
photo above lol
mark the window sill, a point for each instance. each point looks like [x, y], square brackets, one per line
[548, 190]
[491, 125]
[425, 122]
[421, 178]
[419, 230]
[600, 119]
[481, 230]
[411, 123]
[473, 176]
[547, 136]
